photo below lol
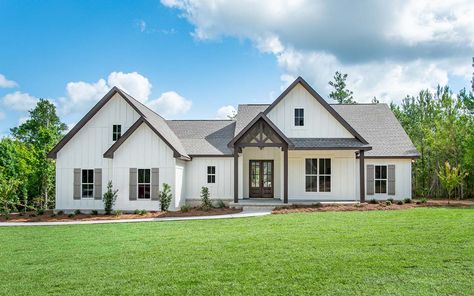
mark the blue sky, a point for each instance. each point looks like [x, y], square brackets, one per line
[200, 55]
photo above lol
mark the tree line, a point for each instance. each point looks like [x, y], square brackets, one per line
[440, 124]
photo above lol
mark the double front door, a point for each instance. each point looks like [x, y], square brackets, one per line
[261, 178]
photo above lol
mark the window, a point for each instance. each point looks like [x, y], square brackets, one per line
[311, 174]
[299, 117]
[313, 177]
[211, 174]
[117, 132]
[380, 179]
[144, 184]
[324, 175]
[87, 183]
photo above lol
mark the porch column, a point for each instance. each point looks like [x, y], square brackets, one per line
[362, 175]
[285, 175]
[236, 175]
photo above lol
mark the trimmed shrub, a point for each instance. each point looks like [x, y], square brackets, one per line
[40, 212]
[71, 215]
[165, 197]
[400, 202]
[220, 204]
[118, 213]
[388, 202]
[373, 201]
[109, 198]
[423, 200]
[94, 212]
[142, 212]
[77, 212]
[318, 205]
[60, 212]
[185, 208]
[407, 200]
[136, 212]
[206, 203]
[52, 215]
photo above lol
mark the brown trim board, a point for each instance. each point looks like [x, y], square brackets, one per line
[318, 97]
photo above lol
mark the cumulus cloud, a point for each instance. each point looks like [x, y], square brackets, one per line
[133, 83]
[226, 112]
[2, 115]
[389, 49]
[5, 83]
[170, 103]
[19, 101]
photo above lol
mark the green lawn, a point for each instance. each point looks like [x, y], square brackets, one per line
[421, 251]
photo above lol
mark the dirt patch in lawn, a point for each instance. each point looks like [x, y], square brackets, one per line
[380, 206]
[49, 216]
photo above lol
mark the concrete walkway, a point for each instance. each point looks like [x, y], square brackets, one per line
[243, 214]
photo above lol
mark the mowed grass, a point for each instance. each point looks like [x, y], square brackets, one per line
[423, 251]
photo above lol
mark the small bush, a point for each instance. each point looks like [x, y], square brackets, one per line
[206, 203]
[373, 201]
[388, 202]
[136, 212]
[71, 215]
[109, 198]
[40, 212]
[53, 215]
[118, 213]
[142, 212]
[32, 215]
[358, 205]
[185, 208]
[400, 202]
[423, 200]
[94, 212]
[318, 205]
[220, 204]
[407, 200]
[165, 197]
[60, 212]
[7, 216]
[77, 212]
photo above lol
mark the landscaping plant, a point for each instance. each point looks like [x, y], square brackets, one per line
[165, 197]
[206, 203]
[109, 198]
[451, 178]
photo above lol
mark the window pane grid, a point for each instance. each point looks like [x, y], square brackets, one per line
[117, 132]
[299, 117]
[318, 179]
[380, 179]
[211, 174]
[87, 183]
[144, 184]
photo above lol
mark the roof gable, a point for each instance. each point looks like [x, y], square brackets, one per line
[322, 103]
[156, 123]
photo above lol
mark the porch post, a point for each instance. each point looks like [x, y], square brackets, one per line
[236, 175]
[285, 175]
[362, 175]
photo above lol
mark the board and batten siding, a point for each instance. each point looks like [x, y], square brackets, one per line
[196, 177]
[402, 178]
[143, 150]
[85, 151]
[179, 190]
[318, 122]
[343, 177]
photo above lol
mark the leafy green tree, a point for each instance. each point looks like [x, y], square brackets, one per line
[341, 94]
[451, 178]
[41, 132]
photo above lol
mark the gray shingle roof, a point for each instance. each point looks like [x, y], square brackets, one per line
[375, 122]
[246, 113]
[321, 143]
[159, 124]
[379, 126]
[204, 137]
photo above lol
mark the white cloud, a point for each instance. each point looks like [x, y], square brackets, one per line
[133, 83]
[225, 112]
[141, 24]
[2, 115]
[170, 103]
[389, 49]
[5, 83]
[19, 101]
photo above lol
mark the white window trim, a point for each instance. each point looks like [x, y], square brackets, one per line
[138, 185]
[93, 184]
[215, 174]
[317, 177]
[386, 179]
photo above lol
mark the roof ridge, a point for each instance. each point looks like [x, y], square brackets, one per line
[255, 104]
[199, 120]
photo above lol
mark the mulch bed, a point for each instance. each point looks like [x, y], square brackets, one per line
[370, 207]
[49, 217]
